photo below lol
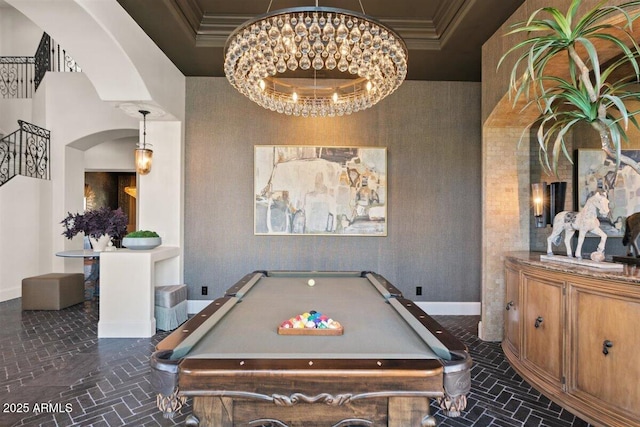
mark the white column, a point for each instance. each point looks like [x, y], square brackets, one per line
[127, 295]
[161, 192]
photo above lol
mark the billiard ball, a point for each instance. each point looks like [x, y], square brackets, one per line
[311, 282]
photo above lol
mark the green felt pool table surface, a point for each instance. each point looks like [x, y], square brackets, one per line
[389, 348]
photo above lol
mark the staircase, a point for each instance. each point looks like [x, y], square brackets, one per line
[20, 76]
[25, 152]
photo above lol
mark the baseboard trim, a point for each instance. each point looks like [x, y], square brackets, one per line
[433, 308]
[11, 293]
[195, 306]
[450, 308]
[126, 329]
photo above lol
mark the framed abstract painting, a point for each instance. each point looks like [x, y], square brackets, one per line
[311, 190]
[595, 170]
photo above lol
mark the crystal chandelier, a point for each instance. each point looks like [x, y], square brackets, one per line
[315, 61]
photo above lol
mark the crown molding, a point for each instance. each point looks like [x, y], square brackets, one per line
[188, 14]
[215, 29]
[417, 34]
[455, 14]
[212, 30]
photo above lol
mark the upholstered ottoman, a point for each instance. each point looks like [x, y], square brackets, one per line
[53, 291]
[170, 306]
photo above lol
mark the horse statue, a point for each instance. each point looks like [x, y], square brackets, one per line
[583, 221]
[631, 231]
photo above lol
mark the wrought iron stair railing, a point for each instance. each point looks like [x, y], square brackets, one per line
[25, 152]
[17, 76]
[20, 76]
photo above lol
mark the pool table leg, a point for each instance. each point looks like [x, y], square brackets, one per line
[452, 406]
[457, 384]
[410, 411]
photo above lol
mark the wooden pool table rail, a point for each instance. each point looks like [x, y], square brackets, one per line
[385, 287]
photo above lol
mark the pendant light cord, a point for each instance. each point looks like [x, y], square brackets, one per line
[361, 7]
[144, 131]
[144, 127]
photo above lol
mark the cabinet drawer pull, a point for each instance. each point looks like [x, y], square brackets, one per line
[539, 321]
[606, 345]
[509, 305]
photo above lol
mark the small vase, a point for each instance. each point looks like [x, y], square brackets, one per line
[101, 243]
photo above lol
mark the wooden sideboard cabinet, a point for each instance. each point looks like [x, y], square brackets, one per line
[574, 334]
[542, 330]
[606, 342]
[512, 314]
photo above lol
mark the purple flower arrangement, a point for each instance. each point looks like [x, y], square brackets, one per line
[96, 223]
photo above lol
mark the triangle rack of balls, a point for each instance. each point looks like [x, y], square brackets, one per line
[310, 323]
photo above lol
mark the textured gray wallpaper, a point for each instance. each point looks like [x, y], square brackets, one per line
[432, 133]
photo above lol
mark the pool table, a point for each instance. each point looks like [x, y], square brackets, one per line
[390, 360]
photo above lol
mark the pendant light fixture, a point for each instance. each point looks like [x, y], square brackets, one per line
[315, 61]
[143, 154]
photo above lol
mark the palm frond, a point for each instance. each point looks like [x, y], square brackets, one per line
[593, 58]
[627, 53]
[586, 93]
[573, 10]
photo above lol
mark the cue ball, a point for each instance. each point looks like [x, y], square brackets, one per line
[311, 282]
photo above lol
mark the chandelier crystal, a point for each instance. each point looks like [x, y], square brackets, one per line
[315, 61]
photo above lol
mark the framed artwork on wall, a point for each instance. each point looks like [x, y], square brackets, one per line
[597, 171]
[312, 190]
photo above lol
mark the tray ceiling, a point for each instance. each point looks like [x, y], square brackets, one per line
[444, 37]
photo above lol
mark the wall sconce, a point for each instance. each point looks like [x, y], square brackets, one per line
[538, 191]
[143, 154]
[557, 193]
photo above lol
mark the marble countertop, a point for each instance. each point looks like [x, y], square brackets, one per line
[629, 273]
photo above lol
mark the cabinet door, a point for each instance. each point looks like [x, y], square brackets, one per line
[512, 311]
[543, 324]
[605, 349]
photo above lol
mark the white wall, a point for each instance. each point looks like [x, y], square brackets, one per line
[112, 156]
[159, 76]
[19, 36]
[73, 113]
[21, 203]
[31, 209]
[160, 202]
[121, 61]
[12, 110]
[22, 198]
[122, 67]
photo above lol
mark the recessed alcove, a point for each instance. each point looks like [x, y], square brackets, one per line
[109, 189]
[510, 162]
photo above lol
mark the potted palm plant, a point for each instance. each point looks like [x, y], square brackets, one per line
[99, 225]
[591, 92]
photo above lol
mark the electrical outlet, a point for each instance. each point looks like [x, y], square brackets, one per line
[205, 290]
[418, 290]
